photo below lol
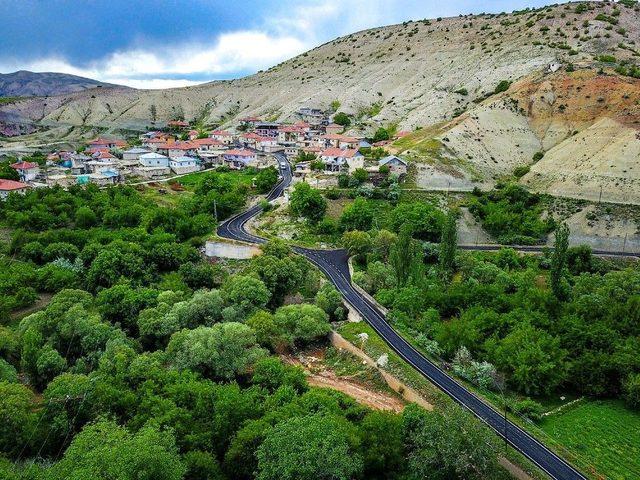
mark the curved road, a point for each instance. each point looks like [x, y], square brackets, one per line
[334, 264]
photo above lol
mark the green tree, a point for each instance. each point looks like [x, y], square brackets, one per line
[7, 172]
[533, 359]
[220, 352]
[298, 325]
[382, 444]
[266, 179]
[16, 417]
[448, 244]
[342, 118]
[381, 135]
[330, 300]
[309, 448]
[307, 202]
[104, 451]
[632, 391]
[449, 445]
[358, 244]
[357, 216]
[85, 217]
[559, 262]
[246, 293]
[406, 257]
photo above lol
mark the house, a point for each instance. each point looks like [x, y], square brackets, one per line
[104, 177]
[103, 143]
[11, 186]
[153, 143]
[336, 141]
[193, 134]
[61, 179]
[267, 144]
[177, 124]
[175, 149]
[95, 166]
[153, 160]
[250, 139]
[336, 159]
[314, 116]
[222, 136]
[250, 121]
[103, 155]
[184, 164]
[207, 144]
[240, 158]
[333, 128]
[134, 153]
[28, 171]
[396, 164]
[152, 165]
[267, 129]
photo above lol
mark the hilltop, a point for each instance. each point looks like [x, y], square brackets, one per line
[32, 84]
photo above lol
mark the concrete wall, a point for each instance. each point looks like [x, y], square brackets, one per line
[230, 250]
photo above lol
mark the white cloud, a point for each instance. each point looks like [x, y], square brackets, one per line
[232, 53]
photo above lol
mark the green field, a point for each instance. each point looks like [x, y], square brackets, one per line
[236, 176]
[602, 434]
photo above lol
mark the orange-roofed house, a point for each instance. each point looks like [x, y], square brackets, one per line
[11, 186]
[28, 171]
[337, 159]
[104, 143]
[333, 128]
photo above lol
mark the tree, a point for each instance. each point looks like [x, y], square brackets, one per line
[16, 417]
[309, 448]
[382, 444]
[448, 244]
[357, 216]
[358, 244]
[281, 276]
[122, 303]
[426, 220]
[202, 275]
[330, 300]
[301, 324]
[7, 172]
[266, 179]
[381, 135]
[342, 118]
[247, 293]
[270, 373]
[406, 257]
[448, 445]
[104, 451]
[307, 202]
[85, 217]
[559, 262]
[632, 391]
[220, 352]
[360, 175]
[534, 359]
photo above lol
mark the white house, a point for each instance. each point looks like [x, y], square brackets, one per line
[396, 164]
[335, 159]
[11, 186]
[152, 165]
[28, 171]
[184, 164]
[240, 158]
[153, 159]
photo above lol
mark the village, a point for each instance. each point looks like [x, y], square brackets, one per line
[316, 146]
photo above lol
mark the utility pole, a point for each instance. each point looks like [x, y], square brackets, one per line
[600, 197]
[624, 244]
[215, 210]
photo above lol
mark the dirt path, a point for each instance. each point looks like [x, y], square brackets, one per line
[375, 400]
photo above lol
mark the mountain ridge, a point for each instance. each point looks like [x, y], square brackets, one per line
[24, 83]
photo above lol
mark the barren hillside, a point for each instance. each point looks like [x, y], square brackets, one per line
[402, 73]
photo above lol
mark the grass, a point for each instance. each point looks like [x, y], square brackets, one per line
[4, 100]
[236, 177]
[602, 435]
[344, 364]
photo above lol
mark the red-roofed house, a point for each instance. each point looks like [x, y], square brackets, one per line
[178, 149]
[333, 128]
[193, 134]
[337, 141]
[11, 186]
[103, 143]
[178, 124]
[336, 159]
[27, 170]
[240, 158]
[250, 139]
[222, 136]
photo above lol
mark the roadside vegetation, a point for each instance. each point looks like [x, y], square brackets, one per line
[149, 362]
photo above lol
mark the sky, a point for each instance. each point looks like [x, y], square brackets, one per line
[170, 43]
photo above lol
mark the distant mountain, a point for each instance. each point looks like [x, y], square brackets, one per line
[32, 84]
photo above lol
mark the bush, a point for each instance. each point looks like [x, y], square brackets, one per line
[521, 171]
[503, 86]
[342, 118]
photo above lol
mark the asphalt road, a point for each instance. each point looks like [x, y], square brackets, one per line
[334, 264]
